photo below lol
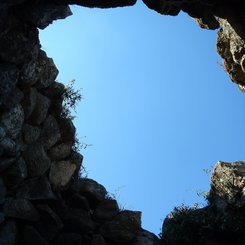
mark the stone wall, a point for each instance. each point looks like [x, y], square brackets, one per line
[43, 200]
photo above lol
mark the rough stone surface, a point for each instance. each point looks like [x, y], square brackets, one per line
[30, 236]
[60, 151]
[61, 173]
[31, 133]
[37, 188]
[9, 233]
[36, 160]
[13, 121]
[20, 209]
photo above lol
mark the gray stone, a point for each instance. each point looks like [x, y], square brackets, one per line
[10, 148]
[41, 72]
[13, 121]
[36, 160]
[15, 174]
[29, 101]
[77, 159]
[2, 191]
[2, 218]
[42, 14]
[2, 133]
[123, 228]
[24, 42]
[79, 201]
[67, 130]
[98, 240]
[50, 134]
[31, 133]
[61, 151]
[40, 111]
[8, 78]
[146, 238]
[90, 188]
[49, 224]
[9, 233]
[20, 209]
[36, 189]
[106, 210]
[14, 98]
[30, 236]
[5, 163]
[69, 238]
[61, 173]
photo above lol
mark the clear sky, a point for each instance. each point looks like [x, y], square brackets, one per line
[157, 107]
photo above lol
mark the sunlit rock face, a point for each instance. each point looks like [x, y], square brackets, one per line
[43, 200]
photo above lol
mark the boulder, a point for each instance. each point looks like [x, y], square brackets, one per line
[60, 174]
[13, 121]
[37, 188]
[9, 233]
[68, 238]
[30, 236]
[31, 133]
[21, 209]
[36, 160]
[61, 151]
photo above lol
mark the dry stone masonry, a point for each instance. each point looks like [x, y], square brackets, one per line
[43, 200]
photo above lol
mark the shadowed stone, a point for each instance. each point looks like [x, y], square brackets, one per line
[69, 238]
[8, 78]
[31, 133]
[13, 121]
[41, 109]
[20, 209]
[8, 233]
[2, 191]
[29, 101]
[106, 210]
[98, 240]
[50, 134]
[60, 151]
[15, 174]
[5, 163]
[123, 228]
[36, 189]
[36, 160]
[2, 217]
[30, 236]
[42, 14]
[89, 188]
[146, 238]
[61, 173]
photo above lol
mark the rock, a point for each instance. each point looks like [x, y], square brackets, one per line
[89, 188]
[68, 238]
[49, 224]
[36, 189]
[67, 130]
[40, 111]
[146, 238]
[9, 147]
[24, 42]
[36, 160]
[77, 159]
[2, 218]
[13, 121]
[30, 236]
[50, 134]
[60, 151]
[31, 133]
[98, 240]
[20, 209]
[106, 210]
[61, 173]
[8, 78]
[2, 191]
[79, 202]
[15, 174]
[75, 222]
[9, 233]
[123, 228]
[42, 14]
[29, 101]
[227, 185]
[5, 163]
[2, 133]
[41, 72]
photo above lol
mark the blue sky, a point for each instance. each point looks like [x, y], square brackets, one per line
[157, 107]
